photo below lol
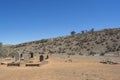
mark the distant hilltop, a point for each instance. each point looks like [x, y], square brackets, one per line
[91, 42]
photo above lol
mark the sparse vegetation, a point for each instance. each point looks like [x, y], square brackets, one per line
[107, 41]
[0, 48]
[92, 53]
[102, 54]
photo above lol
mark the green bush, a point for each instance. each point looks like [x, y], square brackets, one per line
[0, 47]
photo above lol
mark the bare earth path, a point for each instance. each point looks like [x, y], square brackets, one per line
[58, 69]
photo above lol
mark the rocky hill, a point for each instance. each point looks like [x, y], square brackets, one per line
[92, 42]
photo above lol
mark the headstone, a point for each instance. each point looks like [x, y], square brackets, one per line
[21, 55]
[31, 55]
[17, 57]
[26, 57]
[41, 58]
[47, 57]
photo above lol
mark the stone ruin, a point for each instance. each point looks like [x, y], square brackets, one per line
[28, 59]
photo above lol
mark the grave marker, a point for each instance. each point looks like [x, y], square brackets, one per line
[41, 58]
[17, 57]
[26, 57]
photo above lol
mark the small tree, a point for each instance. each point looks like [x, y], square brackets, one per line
[82, 32]
[73, 33]
[92, 53]
[102, 54]
[0, 46]
[92, 30]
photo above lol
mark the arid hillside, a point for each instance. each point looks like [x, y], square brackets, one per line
[91, 42]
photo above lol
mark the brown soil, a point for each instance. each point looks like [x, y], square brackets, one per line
[82, 68]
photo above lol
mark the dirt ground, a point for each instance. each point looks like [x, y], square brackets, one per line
[59, 68]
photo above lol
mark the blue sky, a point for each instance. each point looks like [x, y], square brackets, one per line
[28, 20]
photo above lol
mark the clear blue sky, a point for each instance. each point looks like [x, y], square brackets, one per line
[28, 20]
